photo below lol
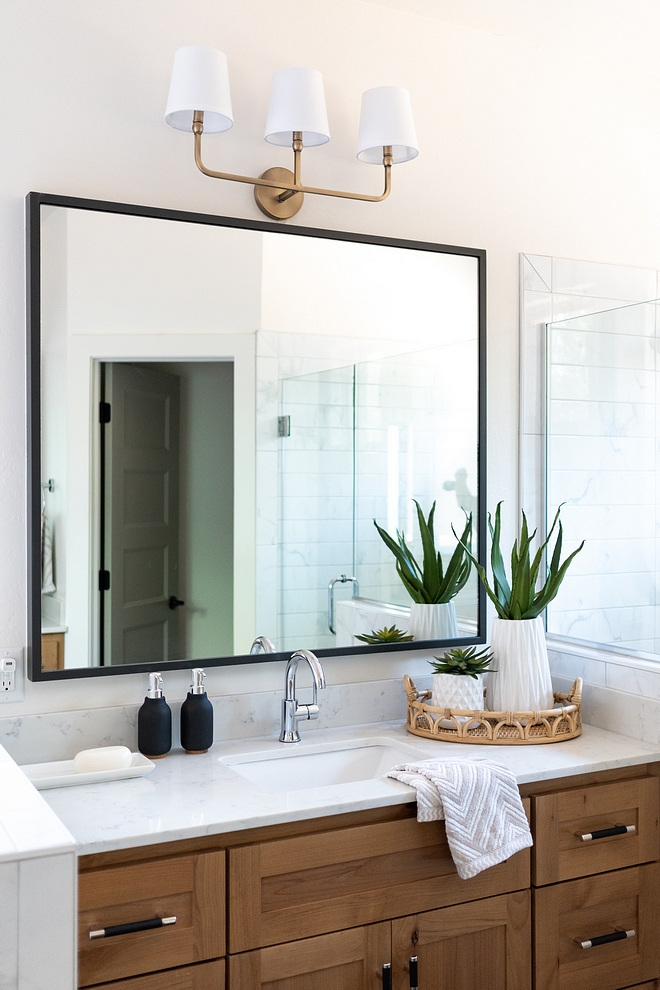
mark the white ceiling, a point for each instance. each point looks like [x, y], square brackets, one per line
[626, 32]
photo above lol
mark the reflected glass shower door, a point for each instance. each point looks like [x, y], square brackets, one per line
[316, 503]
[414, 439]
[366, 440]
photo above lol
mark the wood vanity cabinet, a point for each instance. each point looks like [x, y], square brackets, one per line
[325, 904]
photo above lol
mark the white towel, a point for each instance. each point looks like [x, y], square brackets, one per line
[479, 800]
[47, 582]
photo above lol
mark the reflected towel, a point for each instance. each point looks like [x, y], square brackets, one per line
[47, 582]
[479, 800]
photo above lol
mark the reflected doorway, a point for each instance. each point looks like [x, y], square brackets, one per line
[166, 511]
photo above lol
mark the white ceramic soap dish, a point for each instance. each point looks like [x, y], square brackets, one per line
[62, 774]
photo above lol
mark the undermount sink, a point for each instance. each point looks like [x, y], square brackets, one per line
[320, 765]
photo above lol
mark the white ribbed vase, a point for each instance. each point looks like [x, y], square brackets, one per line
[521, 680]
[458, 691]
[433, 621]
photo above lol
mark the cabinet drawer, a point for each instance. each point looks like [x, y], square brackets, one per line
[349, 960]
[568, 914]
[294, 888]
[189, 888]
[203, 976]
[561, 819]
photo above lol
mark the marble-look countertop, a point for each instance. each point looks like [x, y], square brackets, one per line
[28, 826]
[188, 796]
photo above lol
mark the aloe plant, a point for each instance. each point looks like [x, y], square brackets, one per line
[463, 661]
[385, 635]
[520, 598]
[430, 584]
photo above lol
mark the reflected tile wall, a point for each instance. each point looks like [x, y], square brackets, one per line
[602, 447]
[305, 482]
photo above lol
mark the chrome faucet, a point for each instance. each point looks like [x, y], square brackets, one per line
[292, 712]
[262, 645]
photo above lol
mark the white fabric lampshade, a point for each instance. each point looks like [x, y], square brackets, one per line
[386, 119]
[200, 81]
[297, 103]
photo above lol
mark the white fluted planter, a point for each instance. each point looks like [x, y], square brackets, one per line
[521, 680]
[458, 691]
[433, 621]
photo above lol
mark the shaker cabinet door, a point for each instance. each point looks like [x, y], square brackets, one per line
[347, 960]
[125, 901]
[484, 945]
[330, 881]
[599, 933]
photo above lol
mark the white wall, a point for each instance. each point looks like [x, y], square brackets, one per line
[522, 148]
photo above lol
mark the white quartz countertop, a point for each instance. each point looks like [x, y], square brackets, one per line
[188, 796]
[28, 826]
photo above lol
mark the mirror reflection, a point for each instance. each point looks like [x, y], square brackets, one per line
[225, 412]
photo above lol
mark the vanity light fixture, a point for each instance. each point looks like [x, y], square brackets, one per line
[199, 100]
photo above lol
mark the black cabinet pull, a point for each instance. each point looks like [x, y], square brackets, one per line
[133, 926]
[413, 973]
[604, 939]
[175, 602]
[387, 976]
[605, 833]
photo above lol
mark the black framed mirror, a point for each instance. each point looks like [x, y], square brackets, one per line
[218, 411]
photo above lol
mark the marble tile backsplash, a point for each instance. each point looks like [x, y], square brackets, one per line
[620, 696]
[60, 735]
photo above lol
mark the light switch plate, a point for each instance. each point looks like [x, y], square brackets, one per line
[7, 694]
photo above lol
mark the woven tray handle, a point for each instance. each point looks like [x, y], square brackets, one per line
[409, 686]
[412, 692]
[574, 696]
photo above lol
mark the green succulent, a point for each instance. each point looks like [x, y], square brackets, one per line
[384, 635]
[520, 599]
[430, 584]
[464, 661]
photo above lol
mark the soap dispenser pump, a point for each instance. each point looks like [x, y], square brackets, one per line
[197, 716]
[155, 721]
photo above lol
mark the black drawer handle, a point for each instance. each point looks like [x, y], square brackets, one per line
[413, 973]
[604, 939]
[133, 926]
[605, 833]
[387, 976]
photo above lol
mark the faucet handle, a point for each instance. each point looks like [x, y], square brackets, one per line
[307, 712]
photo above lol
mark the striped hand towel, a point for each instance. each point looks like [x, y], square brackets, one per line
[47, 581]
[480, 803]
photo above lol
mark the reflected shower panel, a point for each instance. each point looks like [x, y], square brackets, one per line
[602, 467]
[366, 440]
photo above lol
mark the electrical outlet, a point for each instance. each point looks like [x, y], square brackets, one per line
[11, 675]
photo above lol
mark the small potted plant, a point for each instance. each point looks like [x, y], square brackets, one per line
[458, 678]
[517, 638]
[431, 586]
[388, 634]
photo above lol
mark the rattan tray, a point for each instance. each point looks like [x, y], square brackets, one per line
[495, 728]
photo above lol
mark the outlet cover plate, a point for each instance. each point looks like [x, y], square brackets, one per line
[18, 694]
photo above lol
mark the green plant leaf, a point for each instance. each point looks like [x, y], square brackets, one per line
[428, 584]
[500, 584]
[431, 577]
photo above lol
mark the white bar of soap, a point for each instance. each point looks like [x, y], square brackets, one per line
[103, 758]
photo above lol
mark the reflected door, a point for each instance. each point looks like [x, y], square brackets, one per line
[140, 620]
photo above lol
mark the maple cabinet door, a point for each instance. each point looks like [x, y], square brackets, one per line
[346, 960]
[484, 945]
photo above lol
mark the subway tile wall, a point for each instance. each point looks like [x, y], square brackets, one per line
[602, 442]
[414, 419]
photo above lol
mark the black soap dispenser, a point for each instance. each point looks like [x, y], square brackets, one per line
[197, 716]
[155, 721]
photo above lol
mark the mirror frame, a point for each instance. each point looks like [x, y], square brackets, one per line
[34, 202]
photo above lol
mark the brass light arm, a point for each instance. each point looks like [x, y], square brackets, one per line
[287, 189]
